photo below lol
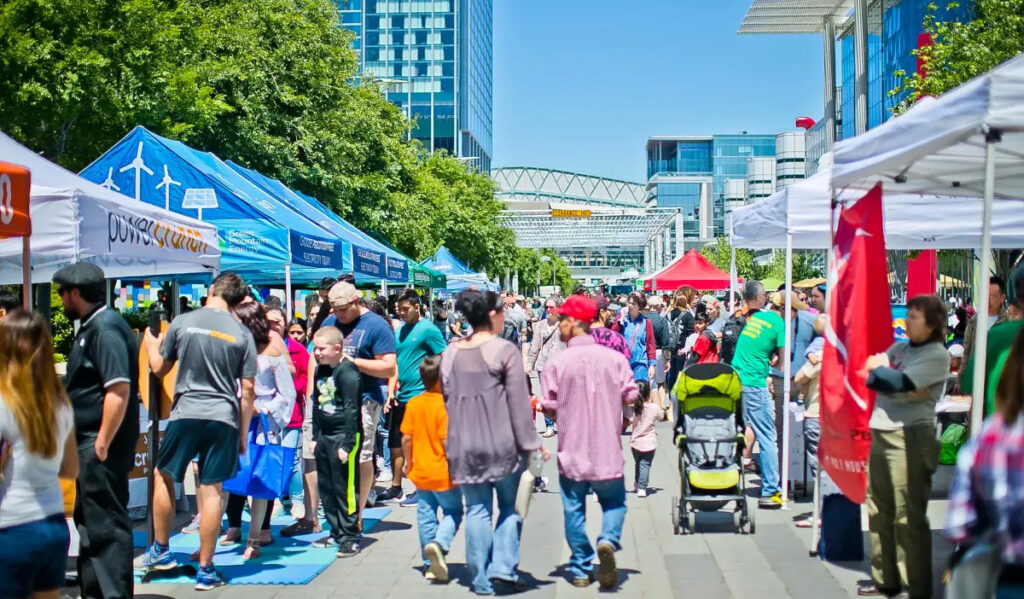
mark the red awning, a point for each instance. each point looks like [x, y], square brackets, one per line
[691, 269]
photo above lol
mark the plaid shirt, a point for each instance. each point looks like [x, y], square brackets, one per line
[986, 502]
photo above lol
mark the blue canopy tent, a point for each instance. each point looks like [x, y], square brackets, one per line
[458, 274]
[370, 258]
[261, 237]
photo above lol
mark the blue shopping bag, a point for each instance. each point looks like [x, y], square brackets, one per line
[265, 470]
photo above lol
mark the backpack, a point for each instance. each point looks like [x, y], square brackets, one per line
[679, 328]
[731, 335]
[510, 332]
[953, 438]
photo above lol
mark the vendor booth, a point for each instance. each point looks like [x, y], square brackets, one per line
[458, 275]
[691, 269]
[74, 219]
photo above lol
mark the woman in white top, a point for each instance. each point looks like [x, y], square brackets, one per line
[36, 447]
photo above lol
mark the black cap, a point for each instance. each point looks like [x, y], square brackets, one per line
[87, 278]
[1015, 286]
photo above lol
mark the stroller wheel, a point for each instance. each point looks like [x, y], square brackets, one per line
[691, 521]
[751, 511]
[737, 521]
[675, 515]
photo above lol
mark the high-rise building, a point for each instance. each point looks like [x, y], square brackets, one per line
[434, 59]
[690, 173]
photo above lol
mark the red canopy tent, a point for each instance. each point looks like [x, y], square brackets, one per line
[689, 269]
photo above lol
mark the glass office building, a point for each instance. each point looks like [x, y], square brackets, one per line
[434, 58]
[894, 31]
[689, 173]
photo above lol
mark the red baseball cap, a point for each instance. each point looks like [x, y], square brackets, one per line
[579, 307]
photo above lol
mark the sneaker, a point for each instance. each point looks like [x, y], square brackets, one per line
[299, 527]
[429, 576]
[209, 579]
[350, 549]
[325, 542]
[583, 581]
[771, 503]
[155, 558]
[410, 500]
[641, 492]
[540, 484]
[607, 572]
[192, 527]
[392, 495]
[438, 565]
[385, 475]
[371, 499]
[548, 433]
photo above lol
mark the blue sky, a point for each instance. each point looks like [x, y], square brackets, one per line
[581, 85]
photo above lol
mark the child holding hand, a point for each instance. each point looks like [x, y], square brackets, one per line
[644, 440]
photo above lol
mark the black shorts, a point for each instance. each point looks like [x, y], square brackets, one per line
[215, 444]
[395, 416]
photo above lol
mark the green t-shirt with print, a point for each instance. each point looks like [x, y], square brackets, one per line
[764, 332]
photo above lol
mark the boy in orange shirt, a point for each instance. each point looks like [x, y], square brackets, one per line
[424, 440]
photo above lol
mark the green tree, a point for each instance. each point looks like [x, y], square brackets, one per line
[718, 253]
[962, 50]
[803, 267]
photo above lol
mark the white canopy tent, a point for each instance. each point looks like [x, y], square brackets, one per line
[77, 220]
[955, 145]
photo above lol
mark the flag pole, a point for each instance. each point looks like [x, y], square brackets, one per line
[787, 369]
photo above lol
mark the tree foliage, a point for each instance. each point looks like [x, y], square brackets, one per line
[718, 254]
[747, 268]
[272, 85]
[961, 51]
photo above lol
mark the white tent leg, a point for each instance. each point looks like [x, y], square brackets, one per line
[816, 512]
[289, 309]
[26, 273]
[981, 338]
[787, 373]
[733, 278]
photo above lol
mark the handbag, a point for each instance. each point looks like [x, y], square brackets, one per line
[265, 470]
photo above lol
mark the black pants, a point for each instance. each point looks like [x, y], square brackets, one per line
[778, 398]
[105, 530]
[236, 503]
[339, 489]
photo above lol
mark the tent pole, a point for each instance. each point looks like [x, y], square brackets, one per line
[289, 308]
[26, 273]
[787, 373]
[981, 331]
[733, 278]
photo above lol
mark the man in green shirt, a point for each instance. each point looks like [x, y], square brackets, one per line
[762, 337]
[1000, 340]
[415, 340]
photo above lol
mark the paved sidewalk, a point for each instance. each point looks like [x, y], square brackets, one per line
[713, 564]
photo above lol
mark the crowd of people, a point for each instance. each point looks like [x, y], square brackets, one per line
[447, 395]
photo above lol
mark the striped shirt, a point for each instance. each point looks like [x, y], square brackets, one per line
[588, 386]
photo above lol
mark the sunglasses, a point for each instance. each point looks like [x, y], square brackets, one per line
[550, 306]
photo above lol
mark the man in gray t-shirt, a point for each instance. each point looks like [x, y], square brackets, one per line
[216, 364]
[213, 351]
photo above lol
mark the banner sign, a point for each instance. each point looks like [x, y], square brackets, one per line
[421, 278]
[316, 252]
[15, 183]
[398, 270]
[858, 288]
[556, 213]
[367, 262]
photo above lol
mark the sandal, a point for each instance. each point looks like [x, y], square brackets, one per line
[300, 527]
[232, 537]
[806, 523]
[252, 550]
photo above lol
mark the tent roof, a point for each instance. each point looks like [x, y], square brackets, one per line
[255, 227]
[445, 262]
[73, 219]
[691, 269]
[938, 145]
[912, 221]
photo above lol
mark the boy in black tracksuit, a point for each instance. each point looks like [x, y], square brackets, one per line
[337, 435]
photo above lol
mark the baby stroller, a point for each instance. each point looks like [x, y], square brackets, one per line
[710, 442]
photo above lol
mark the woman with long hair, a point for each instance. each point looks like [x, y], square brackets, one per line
[680, 321]
[275, 399]
[987, 497]
[639, 334]
[490, 432]
[36, 447]
[909, 379]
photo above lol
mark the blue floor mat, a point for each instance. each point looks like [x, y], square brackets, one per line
[290, 560]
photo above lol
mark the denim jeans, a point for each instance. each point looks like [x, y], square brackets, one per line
[612, 496]
[381, 444]
[431, 529]
[492, 549]
[643, 461]
[759, 414]
[292, 437]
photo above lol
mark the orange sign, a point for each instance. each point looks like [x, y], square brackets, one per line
[166, 385]
[555, 213]
[15, 182]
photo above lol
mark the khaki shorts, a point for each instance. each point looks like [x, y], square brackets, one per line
[371, 418]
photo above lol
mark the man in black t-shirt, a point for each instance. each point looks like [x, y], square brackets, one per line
[102, 383]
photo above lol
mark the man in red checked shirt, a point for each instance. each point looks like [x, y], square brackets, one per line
[586, 387]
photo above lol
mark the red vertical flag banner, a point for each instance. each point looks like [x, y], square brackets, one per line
[860, 325]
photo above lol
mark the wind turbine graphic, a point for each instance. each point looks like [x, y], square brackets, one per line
[109, 182]
[137, 165]
[166, 183]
